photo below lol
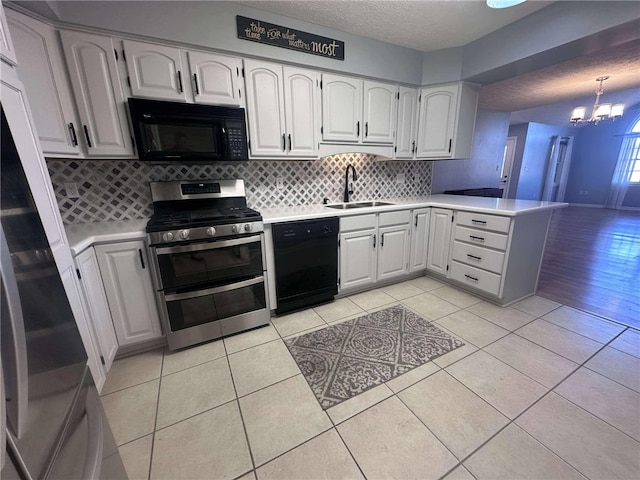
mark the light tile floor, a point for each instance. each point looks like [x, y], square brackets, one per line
[539, 391]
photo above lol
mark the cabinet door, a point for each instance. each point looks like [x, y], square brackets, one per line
[419, 240]
[130, 293]
[98, 93]
[393, 255]
[380, 111]
[439, 240]
[42, 72]
[97, 307]
[155, 71]
[7, 51]
[437, 121]
[358, 258]
[407, 123]
[301, 111]
[265, 108]
[216, 78]
[341, 108]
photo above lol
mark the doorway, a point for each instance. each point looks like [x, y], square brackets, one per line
[557, 171]
[507, 164]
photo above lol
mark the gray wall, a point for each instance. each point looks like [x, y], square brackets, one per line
[213, 25]
[532, 163]
[595, 155]
[483, 168]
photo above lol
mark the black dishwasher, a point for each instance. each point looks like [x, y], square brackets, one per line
[306, 261]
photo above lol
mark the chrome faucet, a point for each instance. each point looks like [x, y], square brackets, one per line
[354, 177]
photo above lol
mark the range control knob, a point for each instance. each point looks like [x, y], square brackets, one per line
[183, 234]
[248, 227]
[167, 237]
[211, 231]
[235, 228]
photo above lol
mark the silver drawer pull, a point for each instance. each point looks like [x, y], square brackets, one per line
[479, 222]
[477, 239]
[471, 278]
[474, 257]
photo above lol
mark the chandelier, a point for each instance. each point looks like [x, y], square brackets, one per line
[600, 111]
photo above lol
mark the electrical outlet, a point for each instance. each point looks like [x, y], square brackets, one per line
[400, 179]
[279, 182]
[72, 190]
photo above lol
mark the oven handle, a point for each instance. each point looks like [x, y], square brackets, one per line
[207, 246]
[211, 291]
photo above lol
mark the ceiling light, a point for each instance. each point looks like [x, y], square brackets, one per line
[600, 111]
[503, 3]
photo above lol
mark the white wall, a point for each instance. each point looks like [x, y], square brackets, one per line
[483, 168]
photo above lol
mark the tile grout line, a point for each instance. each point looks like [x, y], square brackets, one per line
[237, 400]
[155, 422]
[513, 421]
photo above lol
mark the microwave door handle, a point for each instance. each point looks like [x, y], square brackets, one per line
[14, 345]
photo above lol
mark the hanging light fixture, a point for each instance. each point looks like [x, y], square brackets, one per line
[503, 3]
[601, 111]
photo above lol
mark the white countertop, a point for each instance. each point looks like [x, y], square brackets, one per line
[83, 235]
[495, 206]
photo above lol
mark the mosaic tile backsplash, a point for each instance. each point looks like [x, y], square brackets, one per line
[119, 190]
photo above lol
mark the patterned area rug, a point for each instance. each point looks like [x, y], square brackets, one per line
[344, 360]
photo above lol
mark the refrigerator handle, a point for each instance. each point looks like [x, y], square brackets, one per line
[3, 421]
[14, 345]
[95, 447]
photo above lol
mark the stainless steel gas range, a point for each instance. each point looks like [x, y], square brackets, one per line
[207, 250]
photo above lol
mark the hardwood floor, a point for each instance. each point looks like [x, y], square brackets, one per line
[592, 262]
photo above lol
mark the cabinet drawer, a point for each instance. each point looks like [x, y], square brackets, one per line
[357, 222]
[486, 222]
[480, 279]
[479, 237]
[395, 218]
[478, 256]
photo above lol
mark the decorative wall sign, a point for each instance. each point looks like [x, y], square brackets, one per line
[263, 32]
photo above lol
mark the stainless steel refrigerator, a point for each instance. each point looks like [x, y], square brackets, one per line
[53, 423]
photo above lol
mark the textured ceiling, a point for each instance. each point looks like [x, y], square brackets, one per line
[423, 25]
[574, 79]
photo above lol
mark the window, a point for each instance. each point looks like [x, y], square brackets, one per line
[635, 155]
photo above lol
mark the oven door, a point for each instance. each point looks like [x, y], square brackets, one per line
[186, 310]
[209, 264]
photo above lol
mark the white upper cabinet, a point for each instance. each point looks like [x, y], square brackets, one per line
[359, 111]
[302, 111]
[98, 93]
[437, 121]
[282, 110]
[155, 71]
[447, 121]
[41, 69]
[341, 108]
[215, 78]
[379, 112]
[7, 51]
[407, 123]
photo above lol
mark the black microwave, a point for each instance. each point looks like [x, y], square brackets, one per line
[185, 132]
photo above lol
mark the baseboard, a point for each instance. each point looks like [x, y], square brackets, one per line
[588, 205]
[635, 209]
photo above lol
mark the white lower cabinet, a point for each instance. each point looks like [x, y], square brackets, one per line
[97, 306]
[419, 239]
[358, 237]
[124, 268]
[439, 240]
[373, 247]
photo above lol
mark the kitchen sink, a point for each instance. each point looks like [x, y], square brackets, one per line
[345, 206]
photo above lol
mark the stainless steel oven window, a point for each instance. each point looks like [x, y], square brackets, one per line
[211, 263]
